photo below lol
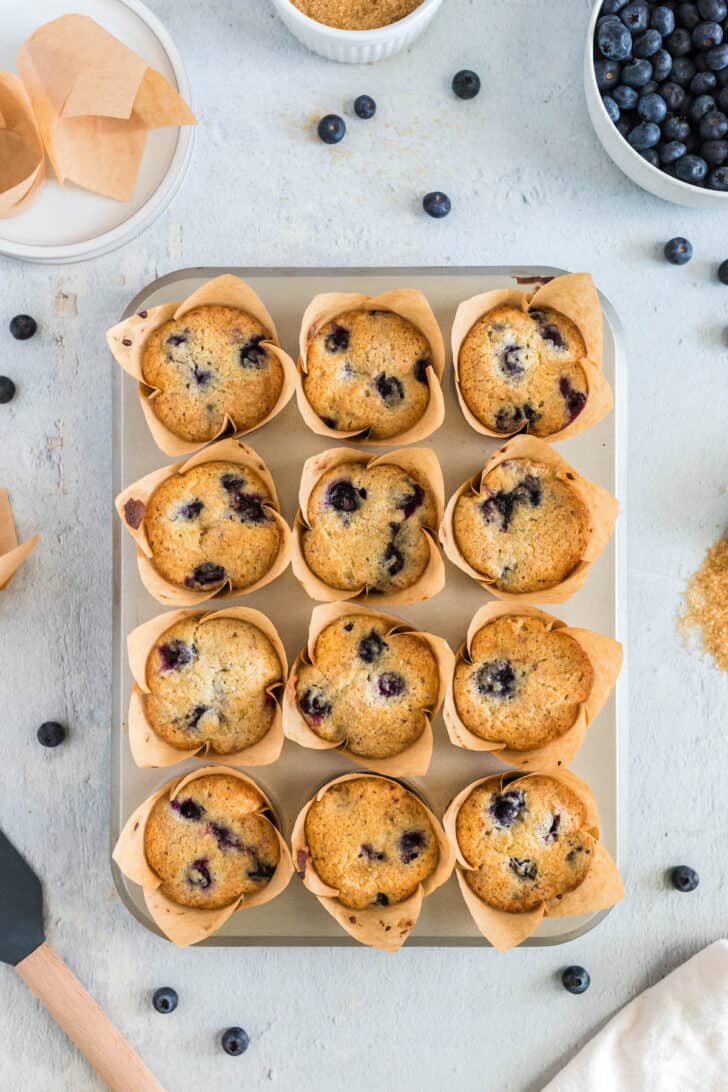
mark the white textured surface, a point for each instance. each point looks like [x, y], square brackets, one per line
[529, 183]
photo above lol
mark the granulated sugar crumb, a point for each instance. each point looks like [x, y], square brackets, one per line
[706, 603]
[356, 14]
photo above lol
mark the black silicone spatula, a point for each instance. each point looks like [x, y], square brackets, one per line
[23, 946]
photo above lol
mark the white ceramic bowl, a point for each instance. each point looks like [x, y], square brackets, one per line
[356, 46]
[627, 159]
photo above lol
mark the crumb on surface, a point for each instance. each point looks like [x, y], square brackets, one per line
[706, 603]
[356, 14]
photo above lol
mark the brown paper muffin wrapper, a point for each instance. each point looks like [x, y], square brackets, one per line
[385, 927]
[601, 505]
[415, 759]
[22, 160]
[147, 748]
[185, 925]
[12, 555]
[131, 506]
[409, 304]
[605, 656]
[575, 296]
[127, 341]
[601, 888]
[421, 463]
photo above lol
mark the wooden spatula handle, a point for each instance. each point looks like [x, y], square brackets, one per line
[85, 1023]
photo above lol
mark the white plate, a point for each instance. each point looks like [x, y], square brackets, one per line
[71, 224]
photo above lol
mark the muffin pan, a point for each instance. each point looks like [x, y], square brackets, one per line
[285, 443]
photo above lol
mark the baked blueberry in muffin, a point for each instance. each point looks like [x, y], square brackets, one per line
[520, 370]
[211, 843]
[368, 688]
[367, 370]
[210, 364]
[523, 683]
[525, 530]
[209, 682]
[366, 527]
[525, 840]
[371, 840]
[210, 525]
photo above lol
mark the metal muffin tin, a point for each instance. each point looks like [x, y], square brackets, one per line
[295, 917]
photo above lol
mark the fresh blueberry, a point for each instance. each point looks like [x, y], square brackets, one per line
[436, 204]
[721, 74]
[684, 878]
[714, 152]
[703, 83]
[675, 129]
[652, 108]
[176, 654]
[613, 39]
[22, 327]
[707, 35]
[701, 106]
[718, 179]
[343, 496]
[496, 679]
[506, 807]
[625, 97]
[205, 574]
[624, 125]
[688, 15]
[661, 65]
[331, 129]
[165, 999]
[647, 44]
[607, 74]
[371, 647]
[613, 111]
[235, 1041]
[683, 71]
[645, 135]
[7, 389]
[466, 84]
[524, 867]
[391, 685]
[315, 704]
[576, 979]
[672, 151]
[717, 10]
[51, 733]
[365, 107]
[674, 96]
[650, 87]
[637, 73]
[723, 97]
[410, 843]
[636, 16]
[723, 272]
[611, 7]
[713, 125]
[691, 168]
[663, 20]
[717, 57]
[679, 43]
[650, 156]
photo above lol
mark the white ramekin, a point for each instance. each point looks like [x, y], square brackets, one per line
[627, 159]
[356, 46]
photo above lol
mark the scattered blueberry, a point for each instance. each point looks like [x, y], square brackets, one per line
[678, 251]
[252, 355]
[389, 389]
[165, 999]
[391, 684]
[370, 648]
[523, 867]
[51, 733]
[496, 679]
[576, 979]
[338, 340]
[188, 809]
[176, 654]
[365, 107]
[22, 327]
[205, 574]
[410, 843]
[198, 874]
[315, 704]
[684, 878]
[7, 389]
[466, 84]
[436, 204]
[723, 272]
[343, 496]
[235, 1041]
[506, 807]
[331, 129]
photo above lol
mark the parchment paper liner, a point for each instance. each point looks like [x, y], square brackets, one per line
[605, 656]
[12, 556]
[94, 100]
[602, 506]
[127, 341]
[185, 925]
[421, 463]
[415, 759]
[601, 888]
[384, 927]
[410, 304]
[22, 160]
[149, 749]
[228, 450]
[575, 296]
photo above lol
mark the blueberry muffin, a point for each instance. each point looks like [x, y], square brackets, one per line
[524, 683]
[208, 683]
[366, 689]
[526, 530]
[368, 370]
[210, 525]
[366, 528]
[525, 841]
[207, 364]
[211, 844]
[519, 370]
[372, 840]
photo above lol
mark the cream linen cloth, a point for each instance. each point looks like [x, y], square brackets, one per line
[672, 1038]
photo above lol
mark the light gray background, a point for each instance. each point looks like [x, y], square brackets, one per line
[529, 184]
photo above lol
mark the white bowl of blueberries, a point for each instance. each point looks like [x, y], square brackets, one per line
[656, 79]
